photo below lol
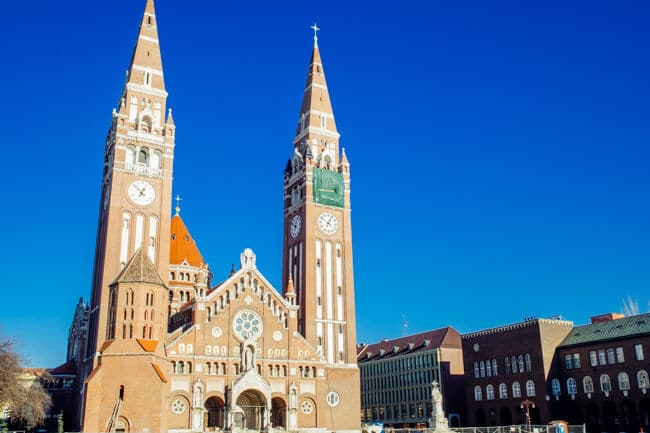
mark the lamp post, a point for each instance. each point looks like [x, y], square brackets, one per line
[526, 405]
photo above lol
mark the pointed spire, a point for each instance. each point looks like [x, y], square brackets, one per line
[146, 63]
[170, 119]
[316, 125]
[344, 157]
[290, 293]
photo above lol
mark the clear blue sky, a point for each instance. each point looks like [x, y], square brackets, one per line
[500, 151]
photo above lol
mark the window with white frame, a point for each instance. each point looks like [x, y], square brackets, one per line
[506, 363]
[489, 392]
[482, 366]
[602, 358]
[555, 387]
[503, 390]
[605, 383]
[530, 388]
[576, 360]
[643, 379]
[488, 368]
[478, 395]
[516, 390]
[571, 386]
[494, 367]
[611, 356]
[623, 381]
[588, 385]
[568, 362]
[638, 352]
[529, 364]
[520, 361]
[593, 358]
[476, 374]
[620, 356]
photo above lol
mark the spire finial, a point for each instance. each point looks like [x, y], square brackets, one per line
[315, 28]
[178, 204]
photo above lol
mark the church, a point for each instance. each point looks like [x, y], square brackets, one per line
[168, 349]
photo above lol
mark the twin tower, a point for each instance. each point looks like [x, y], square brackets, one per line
[168, 350]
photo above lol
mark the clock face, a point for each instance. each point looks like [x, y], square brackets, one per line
[327, 223]
[296, 223]
[141, 192]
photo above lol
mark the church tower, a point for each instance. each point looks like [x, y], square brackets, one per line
[135, 203]
[125, 356]
[317, 250]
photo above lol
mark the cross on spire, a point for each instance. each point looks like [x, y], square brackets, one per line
[315, 28]
[178, 204]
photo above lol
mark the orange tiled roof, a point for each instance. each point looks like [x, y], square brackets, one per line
[159, 372]
[182, 247]
[147, 345]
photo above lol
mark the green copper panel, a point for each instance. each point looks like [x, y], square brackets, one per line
[328, 187]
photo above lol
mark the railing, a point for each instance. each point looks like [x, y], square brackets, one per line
[520, 428]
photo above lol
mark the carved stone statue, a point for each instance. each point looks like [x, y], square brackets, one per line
[197, 399]
[438, 421]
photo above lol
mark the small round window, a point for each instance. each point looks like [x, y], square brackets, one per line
[307, 407]
[178, 406]
[333, 398]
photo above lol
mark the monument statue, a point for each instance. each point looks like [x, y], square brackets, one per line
[438, 421]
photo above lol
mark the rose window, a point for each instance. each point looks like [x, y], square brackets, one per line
[307, 407]
[247, 325]
[178, 406]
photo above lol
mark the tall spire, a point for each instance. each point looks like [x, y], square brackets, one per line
[146, 63]
[316, 120]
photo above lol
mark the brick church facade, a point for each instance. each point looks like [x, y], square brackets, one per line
[168, 350]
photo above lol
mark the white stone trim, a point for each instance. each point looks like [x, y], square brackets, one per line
[149, 39]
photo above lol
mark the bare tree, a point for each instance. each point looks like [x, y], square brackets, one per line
[27, 400]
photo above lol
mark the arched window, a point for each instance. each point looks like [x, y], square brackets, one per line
[513, 361]
[476, 374]
[555, 387]
[129, 158]
[478, 395]
[605, 383]
[588, 385]
[503, 390]
[572, 387]
[623, 381]
[489, 392]
[516, 390]
[143, 155]
[482, 365]
[530, 388]
[643, 379]
[520, 361]
[146, 123]
[529, 364]
[488, 368]
[507, 365]
[155, 160]
[494, 367]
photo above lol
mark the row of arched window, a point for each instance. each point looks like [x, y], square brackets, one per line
[277, 370]
[512, 364]
[142, 158]
[503, 391]
[182, 367]
[182, 276]
[643, 382]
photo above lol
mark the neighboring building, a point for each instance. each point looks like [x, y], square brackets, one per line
[508, 365]
[397, 377]
[603, 379]
[169, 351]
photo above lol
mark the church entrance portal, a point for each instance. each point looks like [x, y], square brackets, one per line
[278, 412]
[214, 414]
[251, 411]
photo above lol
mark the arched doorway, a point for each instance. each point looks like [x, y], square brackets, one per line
[506, 416]
[214, 413]
[250, 412]
[278, 412]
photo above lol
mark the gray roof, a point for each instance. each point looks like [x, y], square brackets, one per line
[139, 270]
[614, 329]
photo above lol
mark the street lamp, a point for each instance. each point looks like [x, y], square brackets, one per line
[526, 405]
